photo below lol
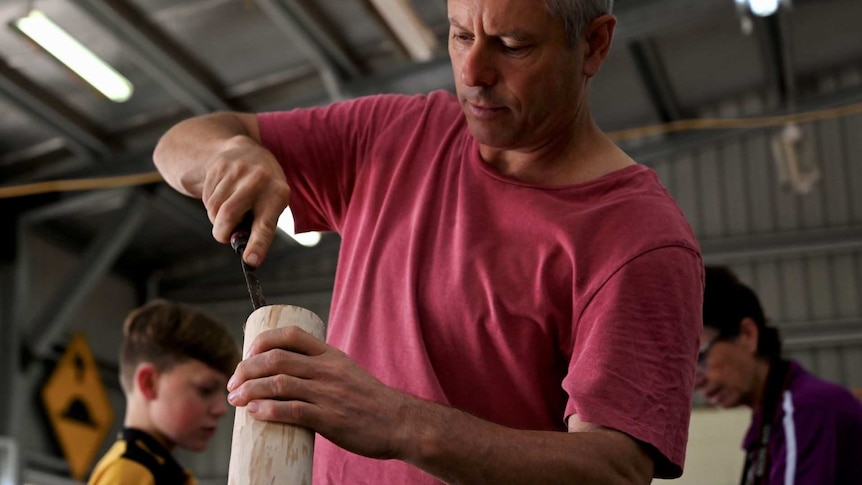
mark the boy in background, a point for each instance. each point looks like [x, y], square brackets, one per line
[174, 366]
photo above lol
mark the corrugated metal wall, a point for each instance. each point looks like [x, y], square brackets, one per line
[799, 248]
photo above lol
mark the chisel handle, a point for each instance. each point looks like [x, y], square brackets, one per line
[240, 235]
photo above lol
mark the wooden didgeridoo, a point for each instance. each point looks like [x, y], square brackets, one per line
[265, 452]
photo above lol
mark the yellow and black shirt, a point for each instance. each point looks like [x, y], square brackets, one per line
[136, 458]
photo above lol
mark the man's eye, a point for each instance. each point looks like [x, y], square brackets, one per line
[515, 49]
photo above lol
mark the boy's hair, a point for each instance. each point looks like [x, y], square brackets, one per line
[165, 334]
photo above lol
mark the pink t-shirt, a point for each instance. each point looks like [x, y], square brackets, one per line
[518, 303]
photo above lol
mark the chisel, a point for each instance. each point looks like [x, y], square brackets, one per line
[265, 452]
[238, 241]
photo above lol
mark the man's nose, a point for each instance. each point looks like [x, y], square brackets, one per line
[479, 68]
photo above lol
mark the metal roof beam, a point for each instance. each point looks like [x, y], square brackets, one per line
[39, 161]
[218, 272]
[760, 247]
[186, 209]
[409, 78]
[8, 356]
[95, 263]
[284, 19]
[650, 17]
[170, 73]
[83, 137]
[82, 204]
[831, 332]
[651, 69]
[328, 45]
[408, 27]
[771, 36]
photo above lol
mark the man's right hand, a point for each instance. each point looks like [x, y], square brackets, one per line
[245, 177]
[219, 158]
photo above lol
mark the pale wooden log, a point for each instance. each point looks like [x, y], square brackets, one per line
[264, 452]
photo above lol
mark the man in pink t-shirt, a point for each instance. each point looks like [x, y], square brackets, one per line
[517, 301]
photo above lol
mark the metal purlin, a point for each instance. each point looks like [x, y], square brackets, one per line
[95, 262]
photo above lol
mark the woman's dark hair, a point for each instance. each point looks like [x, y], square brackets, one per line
[726, 302]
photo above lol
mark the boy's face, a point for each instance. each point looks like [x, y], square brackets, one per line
[190, 399]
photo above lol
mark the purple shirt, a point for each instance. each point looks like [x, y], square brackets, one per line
[816, 436]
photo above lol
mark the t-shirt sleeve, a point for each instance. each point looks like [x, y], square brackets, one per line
[634, 353]
[123, 472]
[322, 149]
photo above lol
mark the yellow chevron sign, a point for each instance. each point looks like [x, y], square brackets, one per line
[78, 406]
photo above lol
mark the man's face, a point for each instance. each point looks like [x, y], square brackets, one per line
[726, 371]
[519, 83]
[191, 398]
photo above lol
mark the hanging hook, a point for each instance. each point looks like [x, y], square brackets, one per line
[785, 151]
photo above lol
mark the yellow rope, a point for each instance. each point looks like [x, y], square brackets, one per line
[645, 131]
[79, 184]
[728, 123]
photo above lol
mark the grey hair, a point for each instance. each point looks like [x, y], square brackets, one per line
[577, 14]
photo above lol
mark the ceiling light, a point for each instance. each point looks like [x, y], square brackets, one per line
[75, 56]
[760, 8]
[763, 8]
[285, 224]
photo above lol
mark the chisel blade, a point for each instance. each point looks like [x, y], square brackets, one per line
[238, 241]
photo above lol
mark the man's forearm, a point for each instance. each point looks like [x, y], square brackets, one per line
[459, 448]
[183, 152]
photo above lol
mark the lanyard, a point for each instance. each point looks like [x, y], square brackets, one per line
[755, 471]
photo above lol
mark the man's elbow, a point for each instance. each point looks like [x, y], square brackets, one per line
[637, 472]
[627, 461]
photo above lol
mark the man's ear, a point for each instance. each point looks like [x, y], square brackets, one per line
[749, 334]
[598, 35]
[146, 381]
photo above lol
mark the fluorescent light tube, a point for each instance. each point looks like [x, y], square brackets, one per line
[763, 8]
[285, 224]
[75, 56]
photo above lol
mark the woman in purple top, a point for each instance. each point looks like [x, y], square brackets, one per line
[803, 430]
